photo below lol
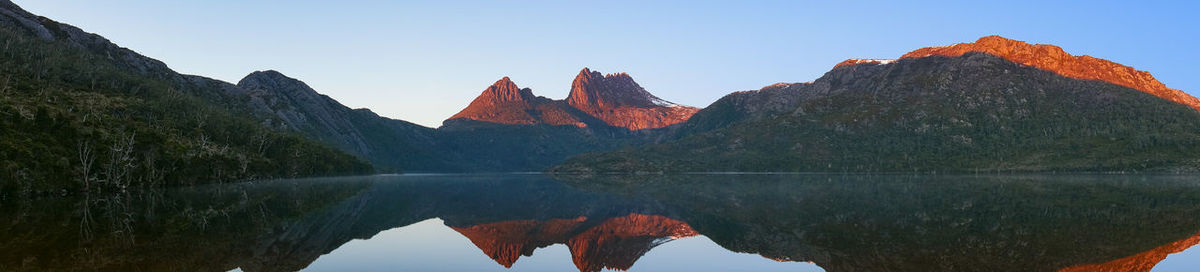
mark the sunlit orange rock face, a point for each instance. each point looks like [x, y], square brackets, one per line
[852, 62]
[505, 103]
[1142, 262]
[614, 243]
[507, 241]
[1054, 59]
[621, 102]
[613, 100]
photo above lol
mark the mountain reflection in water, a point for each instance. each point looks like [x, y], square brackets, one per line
[838, 222]
[615, 243]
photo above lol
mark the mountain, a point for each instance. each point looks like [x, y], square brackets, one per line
[390, 145]
[975, 111]
[507, 128]
[621, 102]
[596, 100]
[1141, 262]
[79, 112]
[614, 243]
[1053, 58]
[187, 129]
[519, 123]
[505, 103]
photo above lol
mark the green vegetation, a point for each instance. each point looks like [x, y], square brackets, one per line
[200, 228]
[73, 117]
[483, 147]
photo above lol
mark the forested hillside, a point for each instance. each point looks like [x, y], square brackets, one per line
[77, 112]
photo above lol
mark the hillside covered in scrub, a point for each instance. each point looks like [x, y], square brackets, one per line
[999, 105]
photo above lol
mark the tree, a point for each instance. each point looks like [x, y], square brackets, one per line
[87, 156]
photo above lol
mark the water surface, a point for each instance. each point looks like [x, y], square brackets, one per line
[781, 222]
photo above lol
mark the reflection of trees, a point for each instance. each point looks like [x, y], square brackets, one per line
[188, 229]
[895, 223]
[922, 223]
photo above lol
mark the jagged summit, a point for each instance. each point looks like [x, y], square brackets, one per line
[620, 101]
[504, 90]
[1055, 59]
[595, 99]
[506, 103]
[592, 90]
[595, 245]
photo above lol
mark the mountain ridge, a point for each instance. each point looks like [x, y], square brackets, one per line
[506, 103]
[595, 100]
[1055, 59]
[896, 115]
[389, 144]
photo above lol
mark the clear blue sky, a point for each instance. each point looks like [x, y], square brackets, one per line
[422, 61]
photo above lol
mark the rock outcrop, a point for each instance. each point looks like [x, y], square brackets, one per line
[621, 102]
[506, 103]
[614, 243]
[507, 241]
[596, 100]
[852, 62]
[1053, 58]
[1141, 262]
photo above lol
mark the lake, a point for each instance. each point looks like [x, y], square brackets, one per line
[698, 222]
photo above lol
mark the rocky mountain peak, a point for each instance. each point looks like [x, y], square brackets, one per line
[1055, 59]
[267, 76]
[273, 81]
[612, 99]
[592, 90]
[619, 101]
[614, 243]
[506, 103]
[504, 90]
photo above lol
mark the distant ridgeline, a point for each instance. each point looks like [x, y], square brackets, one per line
[78, 112]
[993, 105]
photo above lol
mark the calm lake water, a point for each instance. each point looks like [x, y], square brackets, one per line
[802, 222]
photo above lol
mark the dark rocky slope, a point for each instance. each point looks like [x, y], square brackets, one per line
[391, 145]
